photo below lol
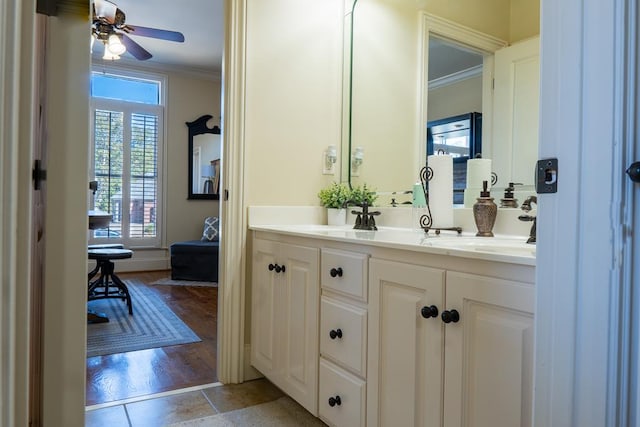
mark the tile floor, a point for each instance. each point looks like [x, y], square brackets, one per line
[185, 406]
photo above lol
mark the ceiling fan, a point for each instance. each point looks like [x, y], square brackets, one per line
[108, 26]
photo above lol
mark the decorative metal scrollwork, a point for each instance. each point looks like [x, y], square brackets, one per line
[426, 220]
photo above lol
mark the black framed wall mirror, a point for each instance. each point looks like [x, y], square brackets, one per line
[204, 159]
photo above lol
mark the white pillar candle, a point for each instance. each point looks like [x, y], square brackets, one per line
[441, 190]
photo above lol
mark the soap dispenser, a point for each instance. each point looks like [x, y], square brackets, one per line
[509, 201]
[485, 212]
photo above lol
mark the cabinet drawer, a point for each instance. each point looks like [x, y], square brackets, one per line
[343, 334]
[347, 393]
[344, 272]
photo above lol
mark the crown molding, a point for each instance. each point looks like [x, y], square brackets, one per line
[455, 77]
[214, 76]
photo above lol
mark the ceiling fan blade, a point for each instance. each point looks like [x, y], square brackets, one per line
[105, 9]
[135, 49]
[173, 36]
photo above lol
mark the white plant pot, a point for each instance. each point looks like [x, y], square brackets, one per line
[336, 216]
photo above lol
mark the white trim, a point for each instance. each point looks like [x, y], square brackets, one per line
[473, 40]
[233, 218]
[456, 77]
[250, 373]
[128, 108]
[623, 349]
[576, 262]
[143, 260]
[452, 31]
[151, 66]
[17, 27]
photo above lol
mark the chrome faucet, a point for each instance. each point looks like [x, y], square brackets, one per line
[526, 206]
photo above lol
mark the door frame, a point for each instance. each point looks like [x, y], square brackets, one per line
[576, 375]
[580, 232]
[18, 88]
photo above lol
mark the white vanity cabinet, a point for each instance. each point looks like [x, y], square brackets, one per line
[352, 328]
[284, 318]
[343, 337]
[475, 370]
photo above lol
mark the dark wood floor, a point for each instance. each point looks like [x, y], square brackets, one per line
[138, 373]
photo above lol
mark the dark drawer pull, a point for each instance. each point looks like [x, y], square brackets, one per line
[337, 333]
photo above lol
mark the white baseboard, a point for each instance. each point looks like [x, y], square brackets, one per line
[250, 373]
[143, 260]
[131, 265]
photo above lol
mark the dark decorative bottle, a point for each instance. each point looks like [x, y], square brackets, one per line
[485, 212]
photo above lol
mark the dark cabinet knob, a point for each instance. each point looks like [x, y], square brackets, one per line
[336, 272]
[335, 333]
[430, 311]
[449, 316]
[277, 268]
[333, 401]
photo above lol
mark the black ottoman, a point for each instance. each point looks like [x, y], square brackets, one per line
[195, 260]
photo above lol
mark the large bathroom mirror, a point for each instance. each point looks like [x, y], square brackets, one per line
[204, 159]
[417, 62]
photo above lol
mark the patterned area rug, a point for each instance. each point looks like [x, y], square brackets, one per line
[170, 282]
[282, 412]
[152, 325]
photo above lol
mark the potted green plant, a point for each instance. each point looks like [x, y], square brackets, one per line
[335, 198]
[361, 194]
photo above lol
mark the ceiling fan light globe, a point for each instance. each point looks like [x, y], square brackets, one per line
[110, 56]
[115, 46]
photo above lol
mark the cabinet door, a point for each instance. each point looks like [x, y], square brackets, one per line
[514, 146]
[264, 298]
[404, 379]
[488, 352]
[299, 308]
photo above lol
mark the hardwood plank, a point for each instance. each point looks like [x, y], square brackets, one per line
[138, 373]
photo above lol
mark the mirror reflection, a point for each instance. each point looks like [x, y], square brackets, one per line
[414, 63]
[204, 159]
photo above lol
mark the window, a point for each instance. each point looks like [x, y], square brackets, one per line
[125, 157]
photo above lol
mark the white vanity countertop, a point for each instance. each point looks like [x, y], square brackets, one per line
[505, 248]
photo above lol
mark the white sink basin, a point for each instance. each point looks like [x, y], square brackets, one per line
[500, 245]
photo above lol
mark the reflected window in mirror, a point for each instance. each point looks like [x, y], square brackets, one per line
[461, 137]
[204, 159]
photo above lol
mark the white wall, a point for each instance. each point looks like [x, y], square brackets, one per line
[525, 20]
[189, 98]
[293, 98]
[459, 98]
